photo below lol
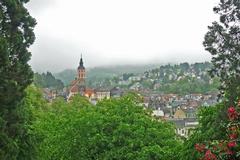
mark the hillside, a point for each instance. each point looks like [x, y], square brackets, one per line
[179, 78]
[171, 78]
[102, 73]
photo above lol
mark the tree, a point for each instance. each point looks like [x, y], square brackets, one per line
[127, 75]
[227, 148]
[47, 81]
[210, 128]
[28, 108]
[184, 66]
[222, 41]
[113, 129]
[16, 35]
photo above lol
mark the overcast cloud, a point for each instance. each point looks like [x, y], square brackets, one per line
[110, 32]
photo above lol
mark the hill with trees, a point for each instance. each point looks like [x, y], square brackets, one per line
[102, 73]
[180, 78]
[47, 80]
[121, 128]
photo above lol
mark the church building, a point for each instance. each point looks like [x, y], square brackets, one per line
[78, 86]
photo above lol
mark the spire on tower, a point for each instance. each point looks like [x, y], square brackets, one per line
[81, 63]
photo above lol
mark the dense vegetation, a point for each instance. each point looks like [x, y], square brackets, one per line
[190, 85]
[211, 127]
[218, 134]
[31, 128]
[185, 78]
[113, 129]
[180, 78]
[47, 81]
[222, 41]
[16, 36]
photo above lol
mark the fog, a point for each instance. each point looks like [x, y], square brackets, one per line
[118, 32]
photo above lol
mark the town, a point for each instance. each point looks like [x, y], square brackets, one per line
[119, 80]
[181, 109]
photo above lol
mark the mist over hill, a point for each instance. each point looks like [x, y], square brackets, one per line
[103, 72]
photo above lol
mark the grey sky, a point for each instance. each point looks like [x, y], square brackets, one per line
[111, 32]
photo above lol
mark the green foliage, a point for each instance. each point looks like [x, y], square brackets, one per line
[183, 78]
[99, 74]
[47, 81]
[32, 101]
[190, 85]
[172, 78]
[24, 116]
[227, 148]
[222, 41]
[127, 75]
[79, 102]
[211, 127]
[184, 66]
[113, 129]
[16, 36]
[147, 84]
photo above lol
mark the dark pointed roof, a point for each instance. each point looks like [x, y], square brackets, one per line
[81, 64]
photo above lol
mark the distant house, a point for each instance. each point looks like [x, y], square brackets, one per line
[49, 94]
[158, 113]
[179, 114]
[124, 82]
[116, 92]
[156, 86]
[180, 127]
[190, 112]
[101, 94]
[146, 101]
[194, 103]
[196, 96]
[135, 78]
[90, 93]
[179, 78]
[136, 86]
[167, 112]
[184, 126]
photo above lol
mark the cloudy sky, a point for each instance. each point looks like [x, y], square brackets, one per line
[113, 32]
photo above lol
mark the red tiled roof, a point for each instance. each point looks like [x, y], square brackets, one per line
[74, 88]
[89, 91]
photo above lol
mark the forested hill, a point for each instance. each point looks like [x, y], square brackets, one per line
[47, 80]
[172, 78]
[102, 73]
[179, 78]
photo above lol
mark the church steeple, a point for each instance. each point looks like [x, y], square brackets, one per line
[81, 73]
[81, 63]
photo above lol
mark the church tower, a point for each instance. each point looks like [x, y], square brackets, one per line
[81, 73]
